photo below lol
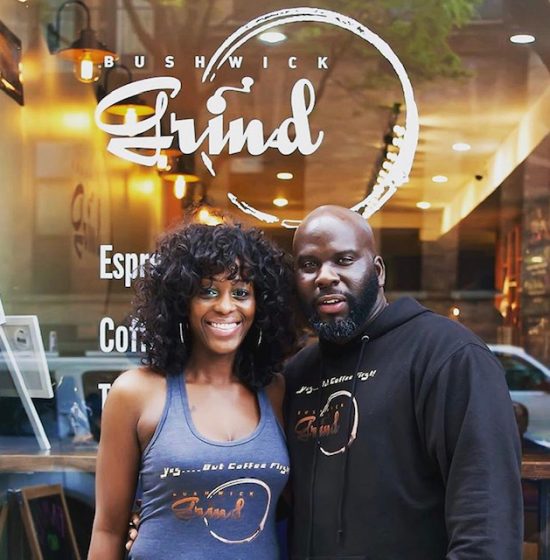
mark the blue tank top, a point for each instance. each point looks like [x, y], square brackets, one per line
[205, 499]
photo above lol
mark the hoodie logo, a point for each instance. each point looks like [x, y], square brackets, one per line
[328, 423]
[364, 375]
[361, 375]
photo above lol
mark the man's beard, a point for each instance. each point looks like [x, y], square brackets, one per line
[341, 329]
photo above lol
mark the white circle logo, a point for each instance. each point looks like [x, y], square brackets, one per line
[399, 172]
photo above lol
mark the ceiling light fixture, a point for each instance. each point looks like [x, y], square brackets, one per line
[207, 215]
[280, 201]
[130, 108]
[184, 166]
[423, 205]
[143, 186]
[440, 179]
[461, 147]
[77, 120]
[397, 142]
[393, 137]
[399, 130]
[162, 162]
[522, 39]
[272, 37]
[285, 176]
[180, 187]
[131, 117]
[87, 52]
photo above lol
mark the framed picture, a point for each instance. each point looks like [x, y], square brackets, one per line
[47, 523]
[21, 335]
[10, 63]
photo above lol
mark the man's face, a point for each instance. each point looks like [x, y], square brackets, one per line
[338, 277]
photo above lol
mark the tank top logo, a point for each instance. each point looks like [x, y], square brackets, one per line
[234, 512]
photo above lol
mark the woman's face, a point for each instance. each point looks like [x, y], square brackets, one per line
[221, 314]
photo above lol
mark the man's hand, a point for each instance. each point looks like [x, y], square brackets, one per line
[133, 530]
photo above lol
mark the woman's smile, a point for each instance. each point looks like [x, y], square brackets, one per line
[223, 328]
[221, 314]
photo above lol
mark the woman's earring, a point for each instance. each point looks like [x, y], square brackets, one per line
[259, 338]
[181, 334]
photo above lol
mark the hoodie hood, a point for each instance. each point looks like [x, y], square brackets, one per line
[392, 316]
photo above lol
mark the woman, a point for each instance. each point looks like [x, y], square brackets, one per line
[195, 424]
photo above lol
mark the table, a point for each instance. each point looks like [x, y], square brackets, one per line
[19, 455]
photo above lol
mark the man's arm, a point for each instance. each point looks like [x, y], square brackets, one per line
[470, 430]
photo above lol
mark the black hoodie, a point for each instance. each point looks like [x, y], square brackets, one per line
[416, 455]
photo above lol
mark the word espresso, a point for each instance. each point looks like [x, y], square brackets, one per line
[292, 134]
[121, 266]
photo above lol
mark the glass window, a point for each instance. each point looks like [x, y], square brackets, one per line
[93, 396]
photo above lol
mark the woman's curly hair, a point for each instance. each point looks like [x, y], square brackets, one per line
[173, 276]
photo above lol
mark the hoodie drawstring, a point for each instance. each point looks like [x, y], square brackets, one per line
[344, 473]
[314, 463]
[343, 479]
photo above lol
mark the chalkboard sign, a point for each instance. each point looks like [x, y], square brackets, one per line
[47, 523]
[3, 521]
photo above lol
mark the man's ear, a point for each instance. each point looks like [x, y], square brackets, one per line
[380, 268]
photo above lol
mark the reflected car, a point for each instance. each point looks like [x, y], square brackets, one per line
[74, 412]
[529, 384]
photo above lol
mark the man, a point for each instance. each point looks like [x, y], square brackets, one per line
[402, 437]
[401, 432]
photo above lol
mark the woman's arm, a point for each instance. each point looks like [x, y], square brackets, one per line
[117, 468]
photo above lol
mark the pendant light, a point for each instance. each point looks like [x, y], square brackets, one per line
[87, 53]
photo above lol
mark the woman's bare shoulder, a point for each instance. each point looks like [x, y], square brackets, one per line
[138, 382]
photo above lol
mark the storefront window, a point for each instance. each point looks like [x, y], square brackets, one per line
[309, 114]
